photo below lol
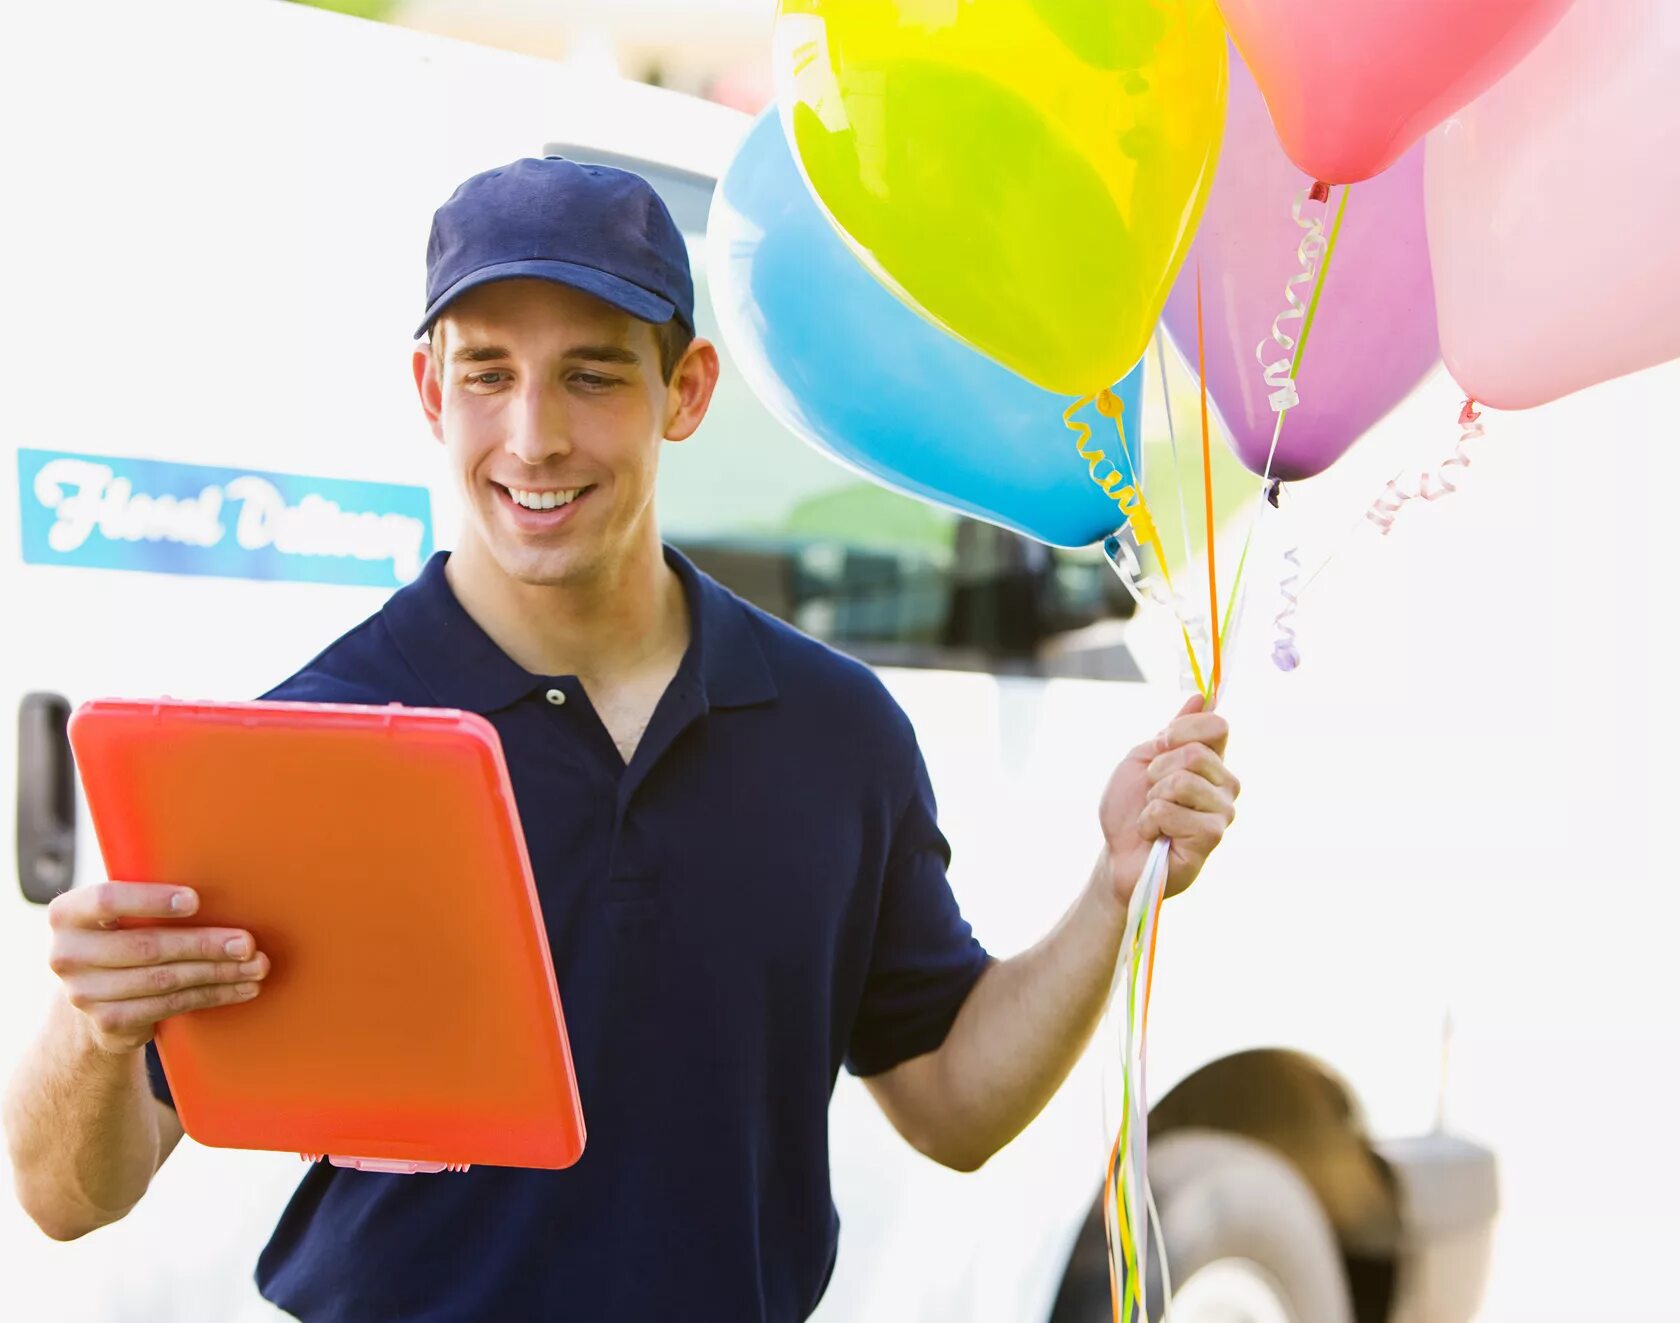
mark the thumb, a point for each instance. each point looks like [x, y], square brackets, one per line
[1195, 703]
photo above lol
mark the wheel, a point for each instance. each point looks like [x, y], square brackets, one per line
[1246, 1240]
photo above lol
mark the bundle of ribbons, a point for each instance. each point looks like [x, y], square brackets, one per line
[1127, 1201]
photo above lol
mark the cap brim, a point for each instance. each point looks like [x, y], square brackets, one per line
[622, 294]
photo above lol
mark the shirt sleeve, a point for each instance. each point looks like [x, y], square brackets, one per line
[925, 959]
[154, 1073]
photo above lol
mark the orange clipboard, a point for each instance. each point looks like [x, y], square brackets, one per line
[410, 1021]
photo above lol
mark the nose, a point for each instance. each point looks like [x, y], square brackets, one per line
[537, 425]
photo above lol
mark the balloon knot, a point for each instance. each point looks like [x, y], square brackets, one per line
[1320, 191]
[1109, 405]
[1272, 489]
[1468, 414]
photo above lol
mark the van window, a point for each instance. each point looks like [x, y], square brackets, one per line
[887, 578]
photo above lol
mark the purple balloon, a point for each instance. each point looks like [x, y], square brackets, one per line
[1374, 338]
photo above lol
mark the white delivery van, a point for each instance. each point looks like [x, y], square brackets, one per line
[213, 465]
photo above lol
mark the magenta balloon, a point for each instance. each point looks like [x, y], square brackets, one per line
[1374, 338]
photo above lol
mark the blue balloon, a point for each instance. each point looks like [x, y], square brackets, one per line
[837, 357]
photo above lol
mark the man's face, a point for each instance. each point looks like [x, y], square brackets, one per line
[546, 397]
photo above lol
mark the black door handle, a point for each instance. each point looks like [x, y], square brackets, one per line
[46, 798]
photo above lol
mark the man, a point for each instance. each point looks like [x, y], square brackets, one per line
[731, 828]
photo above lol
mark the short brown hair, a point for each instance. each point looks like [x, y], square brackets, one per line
[673, 339]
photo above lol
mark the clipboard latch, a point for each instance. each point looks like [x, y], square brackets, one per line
[389, 1166]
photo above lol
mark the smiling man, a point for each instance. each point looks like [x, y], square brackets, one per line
[731, 827]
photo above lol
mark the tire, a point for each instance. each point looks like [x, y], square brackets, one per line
[1246, 1241]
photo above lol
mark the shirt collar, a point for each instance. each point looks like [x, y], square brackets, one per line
[462, 666]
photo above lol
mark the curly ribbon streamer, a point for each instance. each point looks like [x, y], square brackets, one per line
[1312, 311]
[1130, 500]
[1384, 509]
[1285, 655]
[1269, 485]
[1280, 372]
[1124, 494]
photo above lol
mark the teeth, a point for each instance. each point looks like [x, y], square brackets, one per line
[543, 500]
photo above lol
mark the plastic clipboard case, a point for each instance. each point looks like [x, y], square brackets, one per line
[410, 1020]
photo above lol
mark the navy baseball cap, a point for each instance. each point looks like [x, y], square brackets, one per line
[601, 230]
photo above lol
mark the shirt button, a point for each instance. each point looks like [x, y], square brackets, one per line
[557, 696]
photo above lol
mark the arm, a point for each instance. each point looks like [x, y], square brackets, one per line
[84, 1132]
[1028, 1018]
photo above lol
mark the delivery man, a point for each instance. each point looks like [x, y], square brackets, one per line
[731, 827]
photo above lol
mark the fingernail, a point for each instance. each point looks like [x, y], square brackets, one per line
[249, 990]
[183, 902]
[239, 947]
[256, 968]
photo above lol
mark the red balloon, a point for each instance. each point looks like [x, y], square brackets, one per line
[1351, 84]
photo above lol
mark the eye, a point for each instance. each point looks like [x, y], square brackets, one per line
[594, 381]
[490, 377]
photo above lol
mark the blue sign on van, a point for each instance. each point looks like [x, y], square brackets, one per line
[106, 513]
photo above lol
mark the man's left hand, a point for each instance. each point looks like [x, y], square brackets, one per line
[1175, 785]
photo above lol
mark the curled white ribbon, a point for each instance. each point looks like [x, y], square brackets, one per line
[1386, 506]
[1278, 370]
[1285, 655]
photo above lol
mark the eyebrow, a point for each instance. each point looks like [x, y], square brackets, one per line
[479, 354]
[604, 354]
[591, 353]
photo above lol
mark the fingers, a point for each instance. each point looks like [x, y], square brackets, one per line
[1207, 728]
[1195, 758]
[1190, 830]
[103, 905]
[1187, 790]
[132, 948]
[124, 980]
[129, 1024]
[86, 989]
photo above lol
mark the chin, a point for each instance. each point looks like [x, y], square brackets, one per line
[570, 562]
[546, 568]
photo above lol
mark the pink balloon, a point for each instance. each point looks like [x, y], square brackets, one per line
[1552, 206]
[1374, 337]
[1353, 83]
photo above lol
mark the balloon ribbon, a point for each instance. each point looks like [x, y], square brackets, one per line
[1126, 1180]
[1386, 506]
[1207, 491]
[1124, 494]
[1300, 351]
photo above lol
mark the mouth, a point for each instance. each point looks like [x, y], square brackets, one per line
[540, 511]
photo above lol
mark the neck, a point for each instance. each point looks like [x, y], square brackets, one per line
[631, 614]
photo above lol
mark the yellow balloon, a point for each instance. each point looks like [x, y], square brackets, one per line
[1026, 174]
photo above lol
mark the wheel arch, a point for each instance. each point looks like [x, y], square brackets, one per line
[1301, 1109]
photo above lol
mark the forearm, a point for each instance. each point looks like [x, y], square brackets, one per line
[1024, 1026]
[81, 1129]
[1026, 1021]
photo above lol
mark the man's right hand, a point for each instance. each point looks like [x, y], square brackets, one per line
[124, 980]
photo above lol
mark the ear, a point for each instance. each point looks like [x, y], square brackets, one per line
[430, 388]
[690, 393]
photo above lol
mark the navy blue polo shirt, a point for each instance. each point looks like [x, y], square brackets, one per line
[759, 897]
